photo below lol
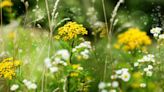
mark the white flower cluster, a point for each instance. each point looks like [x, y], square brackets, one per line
[14, 87]
[143, 85]
[104, 86]
[157, 33]
[83, 49]
[30, 85]
[61, 57]
[53, 69]
[147, 58]
[148, 70]
[123, 74]
[147, 62]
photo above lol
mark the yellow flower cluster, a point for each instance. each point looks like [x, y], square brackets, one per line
[6, 3]
[132, 39]
[8, 67]
[70, 31]
[75, 73]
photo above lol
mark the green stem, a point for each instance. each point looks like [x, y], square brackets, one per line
[70, 63]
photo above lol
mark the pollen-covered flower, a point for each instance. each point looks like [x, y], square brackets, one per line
[71, 30]
[8, 67]
[133, 39]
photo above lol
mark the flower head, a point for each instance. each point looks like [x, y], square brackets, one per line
[14, 87]
[8, 67]
[71, 30]
[6, 3]
[133, 39]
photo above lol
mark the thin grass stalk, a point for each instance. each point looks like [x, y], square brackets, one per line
[109, 38]
[109, 31]
[50, 37]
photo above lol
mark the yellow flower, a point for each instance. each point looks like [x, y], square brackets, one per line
[71, 30]
[74, 74]
[8, 67]
[75, 66]
[132, 39]
[11, 35]
[6, 3]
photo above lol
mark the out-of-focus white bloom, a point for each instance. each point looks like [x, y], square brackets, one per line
[85, 54]
[14, 87]
[108, 84]
[101, 85]
[85, 44]
[47, 62]
[80, 68]
[161, 36]
[125, 76]
[118, 71]
[112, 90]
[29, 84]
[156, 31]
[115, 84]
[149, 73]
[146, 69]
[142, 85]
[83, 49]
[104, 90]
[150, 67]
[32, 86]
[64, 54]
[53, 69]
[147, 58]
[57, 60]
[136, 64]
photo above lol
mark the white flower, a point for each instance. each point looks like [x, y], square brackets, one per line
[118, 71]
[64, 54]
[85, 44]
[29, 84]
[14, 87]
[32, 86]
[57, 60]
[112, 90]
[53, 69]
[155, 35]
[115, 84]
[156, 31]
[125, 76]
[101, 85]
[136, 64]
[74, 50]
[104, 90]
[150, 67]
[149, 73]
[161, 36]
[47, 62]
[85, 54]
[147, 58]
[146, 69]
[142, 85]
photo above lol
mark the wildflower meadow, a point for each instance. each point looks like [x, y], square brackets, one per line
[81, 46]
